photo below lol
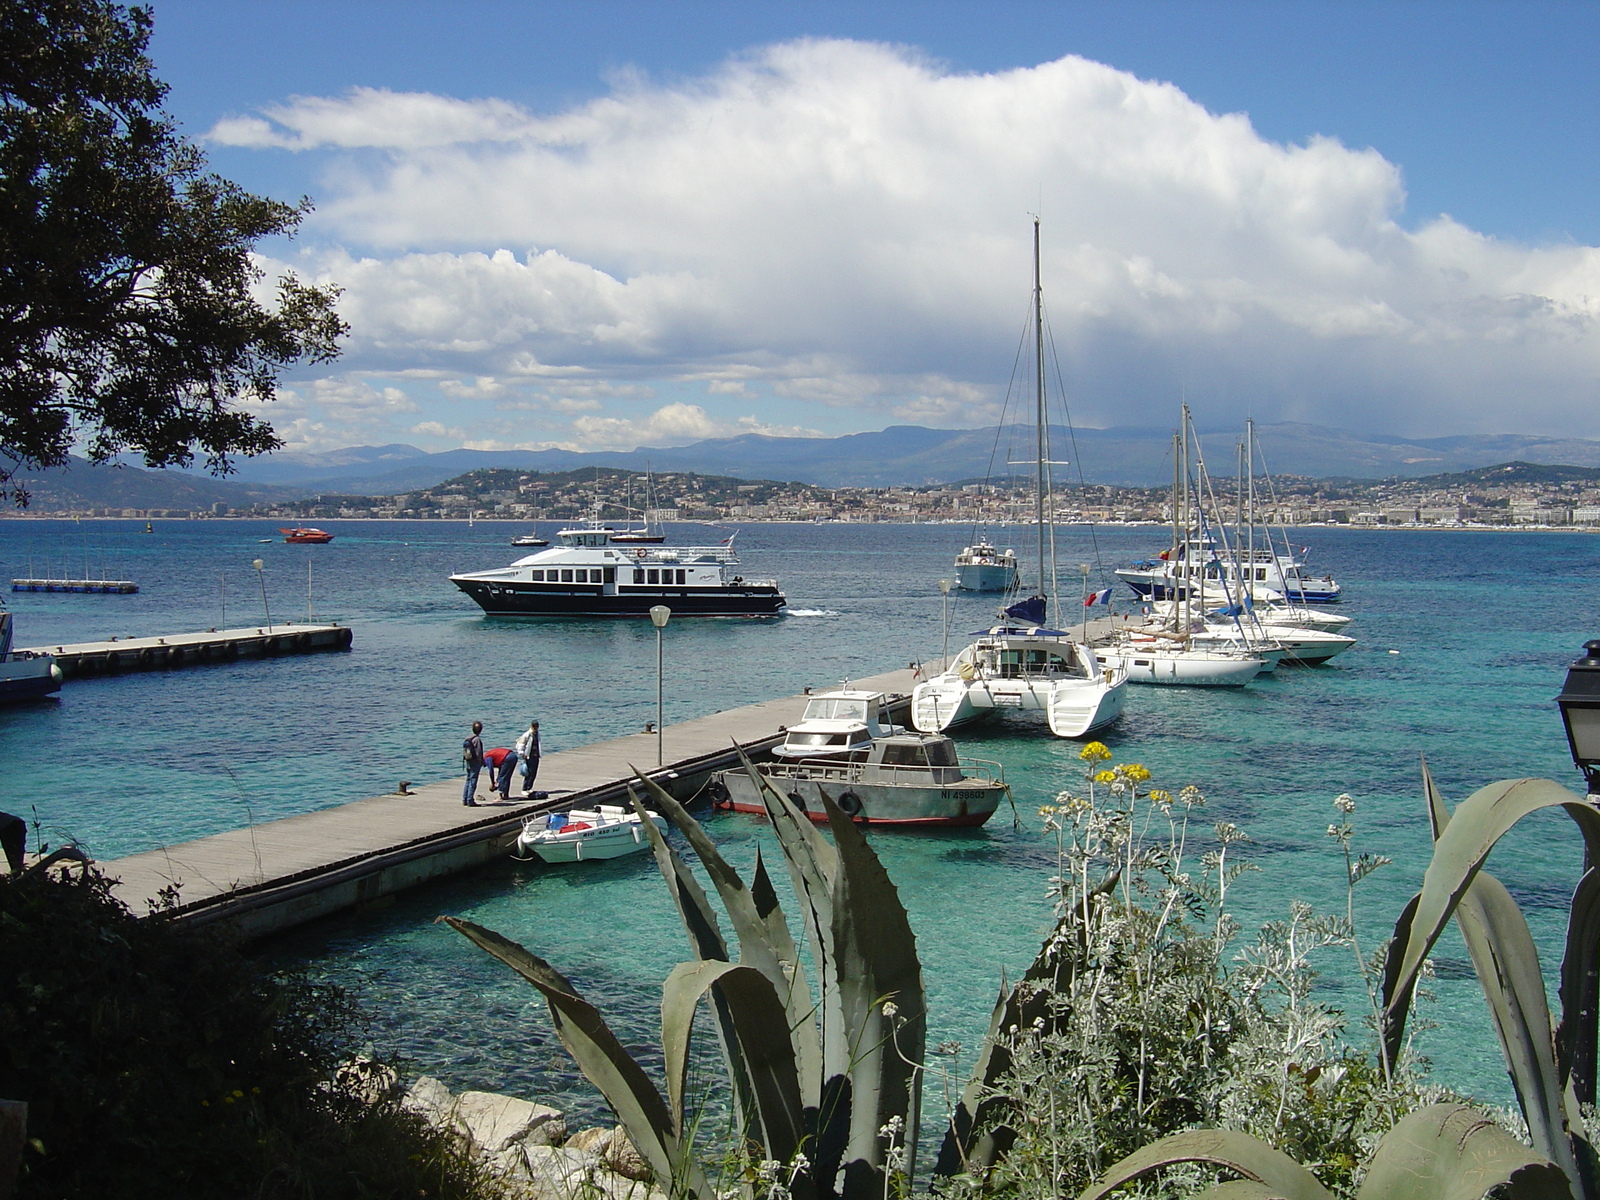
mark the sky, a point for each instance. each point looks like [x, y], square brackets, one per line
[604, 225]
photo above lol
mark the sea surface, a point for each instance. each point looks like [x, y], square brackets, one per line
[1464, 638]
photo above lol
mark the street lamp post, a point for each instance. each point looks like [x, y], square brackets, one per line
[659, 615]
[1580, 713]
[944, 604]
[262, 579]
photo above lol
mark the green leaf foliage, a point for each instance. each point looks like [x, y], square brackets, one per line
[128, 318]
[157, 1061]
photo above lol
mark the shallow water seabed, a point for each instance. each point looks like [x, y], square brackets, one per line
[1485, 624]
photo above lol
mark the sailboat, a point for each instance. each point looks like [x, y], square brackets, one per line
[1020, 665]
[1178, 649]
[645, 536]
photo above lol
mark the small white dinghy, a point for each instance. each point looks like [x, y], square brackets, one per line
[609, 831]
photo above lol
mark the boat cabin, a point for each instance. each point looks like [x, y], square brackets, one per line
[836, 724]
[912, 758]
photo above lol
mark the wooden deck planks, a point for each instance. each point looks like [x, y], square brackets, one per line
[245, 867]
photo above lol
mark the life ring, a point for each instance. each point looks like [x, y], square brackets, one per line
[641, 552]
[717, 793]
[849, 804]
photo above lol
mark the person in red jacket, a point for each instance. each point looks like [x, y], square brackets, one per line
[502, 762]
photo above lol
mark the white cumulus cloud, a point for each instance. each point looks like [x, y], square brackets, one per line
[844, 225]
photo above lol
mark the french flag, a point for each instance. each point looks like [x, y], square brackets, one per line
[1101, 597]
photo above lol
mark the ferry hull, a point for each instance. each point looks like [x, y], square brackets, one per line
[29, 678]
[510, 599]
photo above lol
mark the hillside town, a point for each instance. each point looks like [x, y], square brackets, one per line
[1510, 494]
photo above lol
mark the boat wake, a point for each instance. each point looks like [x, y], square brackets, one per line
[813, 612]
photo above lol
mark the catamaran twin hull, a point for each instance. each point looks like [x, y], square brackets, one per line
[1072, 708]
[511, 599]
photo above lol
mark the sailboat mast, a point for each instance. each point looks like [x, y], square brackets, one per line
[1039, 408]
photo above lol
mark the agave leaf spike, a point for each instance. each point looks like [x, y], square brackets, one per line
[765, 942]
[1474, 828]
[763, 1031]
[812, 864]
[1453, 1152]
[1507, 965]
[877, 962]
[1279, 1174]
[604, 1062]
[694, 906]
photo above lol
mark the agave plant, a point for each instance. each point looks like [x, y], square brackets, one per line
[1444, 1150]
[824, 1083]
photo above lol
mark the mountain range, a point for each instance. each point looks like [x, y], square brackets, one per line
[902, 454]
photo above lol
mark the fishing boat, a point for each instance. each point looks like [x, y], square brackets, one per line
[984, 567]
[305, 535]
[583, 834]
[1021, 666]
[838, 723]
[588, 575]
[24, 674]
[901, 779]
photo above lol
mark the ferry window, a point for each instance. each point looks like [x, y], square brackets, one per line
[638, 574]
[566, 575]
[655, 576]
[683, 577]
[611, 575]
[941, 754]
[536, 576]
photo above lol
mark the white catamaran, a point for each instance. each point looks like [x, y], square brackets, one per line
[1022, 666]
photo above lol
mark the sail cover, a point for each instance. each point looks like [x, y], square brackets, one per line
[1029, 611]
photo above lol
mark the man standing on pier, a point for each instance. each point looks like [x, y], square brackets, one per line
[528, 752]
[472, 759]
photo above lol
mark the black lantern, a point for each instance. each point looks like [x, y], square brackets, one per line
[1580, 710]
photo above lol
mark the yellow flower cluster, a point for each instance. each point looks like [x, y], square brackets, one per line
[1094, 752]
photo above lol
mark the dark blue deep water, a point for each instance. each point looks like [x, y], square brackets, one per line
[1483, 625]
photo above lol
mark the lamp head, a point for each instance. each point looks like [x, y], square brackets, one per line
[1579, 702]
[944, 586]
[659, 615]
[258, 564]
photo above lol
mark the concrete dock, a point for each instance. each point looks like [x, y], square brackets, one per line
[283, 873]
[116, 655]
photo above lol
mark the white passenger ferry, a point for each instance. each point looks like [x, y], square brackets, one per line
[588, 575]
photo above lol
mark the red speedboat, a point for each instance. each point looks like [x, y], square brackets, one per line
[306, 536]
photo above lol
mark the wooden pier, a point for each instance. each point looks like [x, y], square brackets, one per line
[283, 873]
[116, 655]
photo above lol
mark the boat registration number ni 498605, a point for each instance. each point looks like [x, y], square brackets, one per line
[1014, 699]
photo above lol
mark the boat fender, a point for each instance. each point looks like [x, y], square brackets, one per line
[798, 803]
[346, 636]
[849, 804]
[302, 642]
[717, 792]
[146, 656]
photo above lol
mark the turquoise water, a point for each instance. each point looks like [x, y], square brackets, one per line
[1484, 623]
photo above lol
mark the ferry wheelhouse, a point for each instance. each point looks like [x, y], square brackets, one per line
[588, 575]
